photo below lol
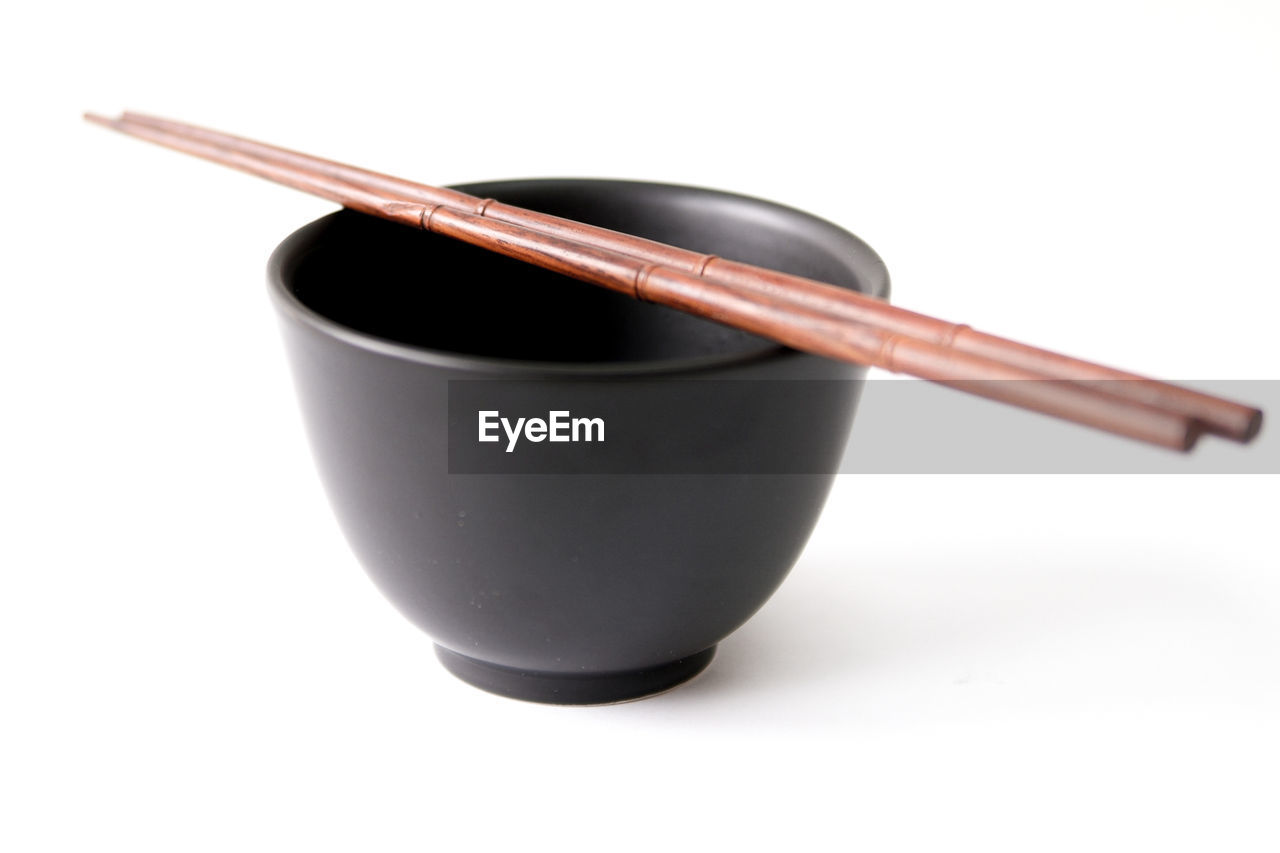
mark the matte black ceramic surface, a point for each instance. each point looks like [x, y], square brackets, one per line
[576, 587]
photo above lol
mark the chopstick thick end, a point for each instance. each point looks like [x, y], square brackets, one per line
[1253, 428]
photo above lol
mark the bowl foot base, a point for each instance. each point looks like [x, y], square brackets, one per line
[567, 689]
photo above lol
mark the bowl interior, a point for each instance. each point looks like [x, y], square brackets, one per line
[434, 293]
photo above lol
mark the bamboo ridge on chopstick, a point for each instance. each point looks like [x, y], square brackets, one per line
[798, 312]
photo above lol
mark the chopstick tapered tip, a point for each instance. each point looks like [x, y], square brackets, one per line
[100, 119]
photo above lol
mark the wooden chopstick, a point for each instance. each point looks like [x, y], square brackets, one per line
[801, 327]
[1216, 415]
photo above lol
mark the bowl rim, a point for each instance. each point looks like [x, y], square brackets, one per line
[294, 308]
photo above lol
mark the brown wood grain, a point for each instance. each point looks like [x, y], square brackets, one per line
[1223, 417]
[801, 313]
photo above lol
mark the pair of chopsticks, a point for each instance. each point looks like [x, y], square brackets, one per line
[798, 312]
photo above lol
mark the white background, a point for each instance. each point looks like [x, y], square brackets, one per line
[190, 658]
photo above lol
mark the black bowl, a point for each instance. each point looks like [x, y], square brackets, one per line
[582, 578]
